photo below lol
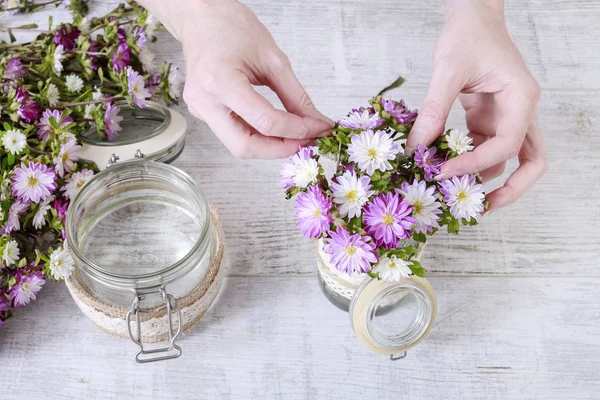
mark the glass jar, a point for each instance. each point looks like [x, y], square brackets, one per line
[388, 317]
[143, 242]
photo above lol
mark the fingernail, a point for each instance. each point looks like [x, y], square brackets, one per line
[441, 176]
[409, 151]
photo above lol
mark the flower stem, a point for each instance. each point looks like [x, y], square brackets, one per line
[31, 4]
[37, 150]
[83, 103]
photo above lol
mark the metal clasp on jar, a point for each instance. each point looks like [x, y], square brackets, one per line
[162, 353]
[115, 158]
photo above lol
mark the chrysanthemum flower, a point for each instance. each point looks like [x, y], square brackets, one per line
[14, 141]
[52, 95]
[74, 83]
[352, 254]
[112, 121]
[174, 83]
[399, 111]
[14, 69]
[459, 141]
[10, 255]
[312, 212]
[26, 288]
[429, 160]
[147, 59]
[61, 264]
[351, 192]
[39, 218]
[13, 219]
[392, 269]
[58, 56]
[136, 88]
[464, 196]
[33, 182]
[29, 110]
[121, 57]
[45, 127]
[66, 36]
[66, 157]
[300, 170]
[76, 182]
[362, 118]
[424, 203]
[387, 218]
[373, 151]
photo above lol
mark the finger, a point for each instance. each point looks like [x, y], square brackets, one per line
[293, 96]
[478, 138]
[241, 139]
[239, 96]
[515, 114]
[430, 123]
[493, 172]
[482, 119]
[533, 164]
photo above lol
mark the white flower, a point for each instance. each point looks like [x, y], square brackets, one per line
[39, 219]
[76, 182]
[136, 88]
[14, 141]
[392, 269]
[91, 108]
[84, 25]
[11, 253]
[59, 54]
[97, 95]
[147, 59]
[458, 141]
[174, 83]
[74, 83]
[424, 203]
[52, 95]
[66, 157]
[151, 25]
[372, 151]
[351, 193]
[61, 264]
[306, 172]
[464, 196]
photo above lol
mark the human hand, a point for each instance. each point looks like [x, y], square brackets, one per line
[474, 56]
[228, 50]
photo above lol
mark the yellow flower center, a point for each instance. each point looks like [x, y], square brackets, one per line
[392, 265]
[372, 153]
[317, 212]
[462, 196]
[418, 207]
[65, 157]
[350, 250]
[352, 195]
[387, 219]
[80, 184]
[32, 181]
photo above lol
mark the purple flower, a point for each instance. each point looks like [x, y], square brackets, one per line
[387, 218]
[399, 111]
[61, 208]
[136, 88]
[427, 159]
[121, 57]
[293, 167]
[26, 288]
[66, 36]
[14, 69]
[112, 121]
[29, 111]
[33, 182]
[13, 222]
[140, 33]
[45, 127]
[4, 305]
[94, 59]
[312, 212]
[21, 96]
[121, 35]
[464, 196]
[363, 118]
[351, 254]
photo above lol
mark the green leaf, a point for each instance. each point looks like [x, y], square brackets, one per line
[397, 83]
[453, 226]
[11, 159]
[355, 224]
[373, 274]
[12, 37]
[417, 269]
[420, 237]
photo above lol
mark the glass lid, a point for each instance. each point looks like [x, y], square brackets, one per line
[392, 317]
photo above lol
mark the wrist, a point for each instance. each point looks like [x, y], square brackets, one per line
[490, 8]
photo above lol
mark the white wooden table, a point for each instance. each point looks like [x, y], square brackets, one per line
[519, 295]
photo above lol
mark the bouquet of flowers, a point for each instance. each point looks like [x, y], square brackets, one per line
[67, 81]
[380, 201]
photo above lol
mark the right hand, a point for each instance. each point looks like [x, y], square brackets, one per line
[228, 50]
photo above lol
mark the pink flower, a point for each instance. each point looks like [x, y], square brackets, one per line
[14, 69]
[15, 211]
[76, 182]
[362, 118]
[121, 57]
[387, 218]
[351, 254]
[61, 208]
[427, 159]
[26, 288]
[112, 121]
[45, 127]
[66, 157]
[34, 182]
[29, 110]
[312, 212]
[136, 88]
[399, 111]
[66, 36]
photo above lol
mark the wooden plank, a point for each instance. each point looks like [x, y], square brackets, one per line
[495, 338]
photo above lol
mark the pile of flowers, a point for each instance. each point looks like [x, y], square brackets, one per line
[380, 202]
[70, 79]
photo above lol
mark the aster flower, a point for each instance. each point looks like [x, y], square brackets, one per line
[351, 192]
[399, 111]
[52, 95]
[74, 83]
[387, 218]
[458, 141]
[76, 182]
[45, 127]
[14, 69]
[300, 170]
[147, 59]
[174, 83]
[136, 88]
[464, 196]
[84, 25]
[424, 203]
[14, 213]
[33, 182]
[39, 218]
[363, 118]
[427, 159]
[26, 288]
[57, 58]
[66, 36]
[392, 269]
[93, 58]
[112, 121]
[372, 151]
[61, 208]
[61, 264]
[121, 57]
[312, 212]
[29, 110]
[151, 25]
[14, 141]
[140, 34]
[10, 255]
[352, 254]
[21, 95]
[66, 157]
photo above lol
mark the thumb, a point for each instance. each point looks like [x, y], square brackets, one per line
[433, 114]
